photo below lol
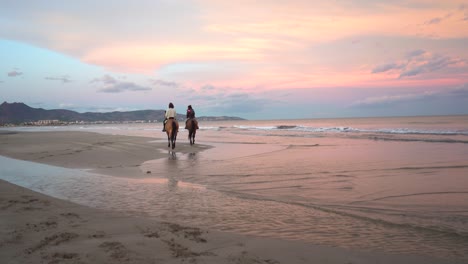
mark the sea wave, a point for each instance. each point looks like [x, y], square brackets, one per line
[345, 129]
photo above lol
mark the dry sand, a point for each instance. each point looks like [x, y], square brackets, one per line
[35, 228]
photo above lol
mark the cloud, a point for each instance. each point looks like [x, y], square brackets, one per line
[14, 73]
[415, 53]
[438, 20]
[226, 100]
[419, 62]
[411, 72]
[387, 67]
[461, 91]
[430, 64]
[407, 70]
[64, 78]
[162, 83]
[463, 8]
[433, 21]
[388, 99]
[238, 103]
[206, 29]
[111, 85]
[101, 109]
[208, 88]
[288, 46]
[408, 98]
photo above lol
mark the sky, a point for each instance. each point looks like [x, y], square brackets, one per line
[263, 59]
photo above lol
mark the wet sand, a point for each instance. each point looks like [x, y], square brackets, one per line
[36, 228]
[114, 155]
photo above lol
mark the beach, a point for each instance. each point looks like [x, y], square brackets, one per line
[40, 229]
[118, 196]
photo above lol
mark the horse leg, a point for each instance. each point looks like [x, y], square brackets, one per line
[190, 135]
[194, 129]
[173, 134]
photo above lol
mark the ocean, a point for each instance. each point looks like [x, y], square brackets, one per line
[394, 184]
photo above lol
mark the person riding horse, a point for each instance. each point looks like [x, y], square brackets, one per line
[171, 126]
[170, 114]
[191, 115]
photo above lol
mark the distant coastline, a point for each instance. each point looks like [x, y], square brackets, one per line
[20, 114]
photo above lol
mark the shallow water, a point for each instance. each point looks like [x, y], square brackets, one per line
[367, 189]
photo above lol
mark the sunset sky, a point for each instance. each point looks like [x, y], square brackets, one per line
[263, 59]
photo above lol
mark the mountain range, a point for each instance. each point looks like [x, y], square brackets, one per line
[18, 113]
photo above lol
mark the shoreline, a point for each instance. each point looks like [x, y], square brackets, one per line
[37, 227]
[113, 155]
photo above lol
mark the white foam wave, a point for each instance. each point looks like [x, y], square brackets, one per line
[343, 129]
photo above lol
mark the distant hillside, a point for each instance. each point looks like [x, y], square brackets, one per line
[17, 113]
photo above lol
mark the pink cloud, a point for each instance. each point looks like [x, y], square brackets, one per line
[271, 45]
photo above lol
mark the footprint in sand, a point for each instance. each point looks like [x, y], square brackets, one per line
[190, 233]
[177, 250]
[98, 234]
[244, 258]
[116, 250]
[41, 226]
[53, 240]
[62, 257]
[73, 218]
[180, 251]
[29, 201]
[70, 215]
[152, 234]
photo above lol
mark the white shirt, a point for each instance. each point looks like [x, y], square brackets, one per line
[171, 113]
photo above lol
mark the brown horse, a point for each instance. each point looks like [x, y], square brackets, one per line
[172, 127]
[192, 130]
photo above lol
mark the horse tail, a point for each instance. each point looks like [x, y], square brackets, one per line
[193, 124]
[174, 129]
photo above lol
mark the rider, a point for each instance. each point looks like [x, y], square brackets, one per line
[191, 115]
[170, 114]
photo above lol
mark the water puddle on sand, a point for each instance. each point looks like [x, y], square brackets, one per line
[169, 199]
